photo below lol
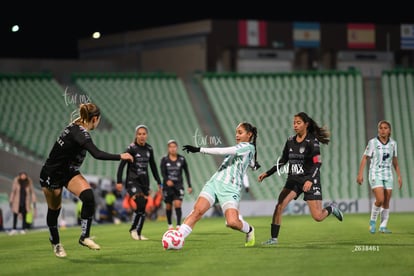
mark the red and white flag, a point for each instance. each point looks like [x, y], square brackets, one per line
[252, 33]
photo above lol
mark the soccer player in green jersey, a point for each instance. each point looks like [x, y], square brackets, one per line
[382, 151]
[225, 185]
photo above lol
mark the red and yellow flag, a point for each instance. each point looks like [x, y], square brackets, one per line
[361, 36]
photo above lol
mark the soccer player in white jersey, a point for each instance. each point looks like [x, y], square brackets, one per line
[382, 150]
[226, 184]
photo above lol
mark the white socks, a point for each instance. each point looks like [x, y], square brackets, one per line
[384, 217]
[374, 212]
[185, 230]
[245, 227]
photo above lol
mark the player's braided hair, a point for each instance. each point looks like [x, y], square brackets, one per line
[250, 128]
[321, 133]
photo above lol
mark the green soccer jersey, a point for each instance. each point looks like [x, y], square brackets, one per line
[381, 158]
[234, 166]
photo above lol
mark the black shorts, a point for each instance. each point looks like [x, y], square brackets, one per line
[172, 193]
[295, 184]
[57, 179]
[134, 188]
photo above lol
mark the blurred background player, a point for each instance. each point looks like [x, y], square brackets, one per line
[172, 167]
[137, 181]
[22, 200]
[226, 184]
[302, 152]
[382, 150]
[62, 169]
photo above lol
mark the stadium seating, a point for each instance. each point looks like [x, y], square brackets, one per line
[156, 100]
[35, 107]
[33, 111]
[269, 101]
[398, 87]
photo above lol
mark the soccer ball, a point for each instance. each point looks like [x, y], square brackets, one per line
[172, 239]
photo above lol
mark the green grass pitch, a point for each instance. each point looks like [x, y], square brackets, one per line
[305, 247]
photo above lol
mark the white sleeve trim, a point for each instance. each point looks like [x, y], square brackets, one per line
[219, 151]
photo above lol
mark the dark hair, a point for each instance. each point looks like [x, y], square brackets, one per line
[321, 133]
[250, 128]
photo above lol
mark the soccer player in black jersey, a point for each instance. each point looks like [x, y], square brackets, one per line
[137, 179]
[302, 152]
[172, 167]
[61, 169]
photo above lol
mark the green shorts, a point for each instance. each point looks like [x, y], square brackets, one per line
[227, 195]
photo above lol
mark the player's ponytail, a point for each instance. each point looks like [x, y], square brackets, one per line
[321, 133]
[250, 128]
[86, 112]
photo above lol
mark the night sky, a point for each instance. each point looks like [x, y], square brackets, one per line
[52, 31]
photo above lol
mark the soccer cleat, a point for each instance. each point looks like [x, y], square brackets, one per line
[178, 227]
[170, 227]
[23, 232]
[271, 241]
[384, 230]
[142, 238]
[13, 232]
[89, 242]
[134, 235]
[59, 250]
[372, 226]
[250, 238]
[336, 212]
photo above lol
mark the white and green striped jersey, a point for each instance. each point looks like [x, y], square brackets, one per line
[234, 166]
[381, 158]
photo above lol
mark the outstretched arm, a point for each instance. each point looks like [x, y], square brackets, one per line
[99, 154]
[214, 151]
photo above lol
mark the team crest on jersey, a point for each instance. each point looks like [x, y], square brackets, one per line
[302, 149]
[148, 154]
[178, 164]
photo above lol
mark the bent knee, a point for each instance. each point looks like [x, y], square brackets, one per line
[318, 218]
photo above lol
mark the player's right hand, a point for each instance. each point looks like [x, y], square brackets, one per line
[360, 179]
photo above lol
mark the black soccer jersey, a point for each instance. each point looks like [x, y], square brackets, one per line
[303, 158]
[137, 171]
[173, 170]
[69, 150]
